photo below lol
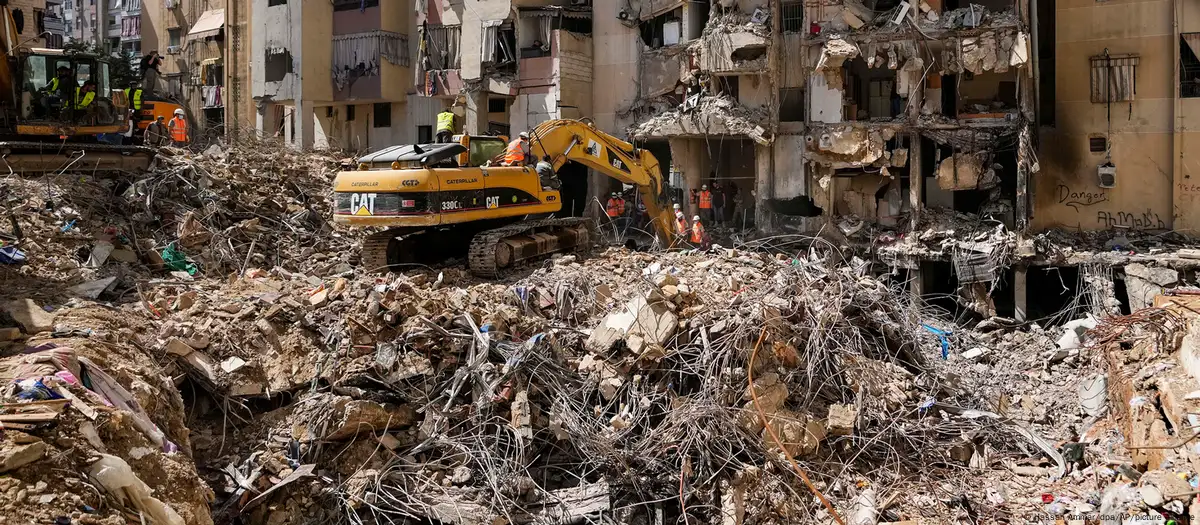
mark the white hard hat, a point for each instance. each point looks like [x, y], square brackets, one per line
[179, 111]
[704, 187]
[676, 206]
[523, 135]
[696, 218]
[678, 213]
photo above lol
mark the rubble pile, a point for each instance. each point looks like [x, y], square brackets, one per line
[705, 114]
[616, 385]
[212, 213]
[92, 432]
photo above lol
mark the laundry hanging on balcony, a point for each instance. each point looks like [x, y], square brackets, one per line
[360, 54]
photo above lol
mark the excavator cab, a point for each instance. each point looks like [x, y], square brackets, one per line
[66, 94]
[480, 149]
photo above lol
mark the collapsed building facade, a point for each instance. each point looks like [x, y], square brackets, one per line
[875, 120]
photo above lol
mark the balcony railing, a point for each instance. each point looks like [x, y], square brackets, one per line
[55, 25]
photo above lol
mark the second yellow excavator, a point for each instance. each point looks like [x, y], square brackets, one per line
[442, 199]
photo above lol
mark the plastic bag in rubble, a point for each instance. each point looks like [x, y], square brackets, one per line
[114, 474]
[177, 261]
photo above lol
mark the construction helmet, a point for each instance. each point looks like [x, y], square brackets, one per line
[523, 135]
[179, 111]
[677, 206]
[704, 187]
[696, 218]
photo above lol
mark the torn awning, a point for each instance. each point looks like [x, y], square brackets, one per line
[209, 24]
[555, 11]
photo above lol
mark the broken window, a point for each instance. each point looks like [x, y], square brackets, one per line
[791, 105]
[499, 43]
[729, 86]
[792, 14]
[1189, 65]
[879, 98]
[663, 30]
[278, 64]
[276, 2]
[439, 46]
[424, 134]
[496, 105]
[1114, 78]
[349, 113]
[383, 115]
[1046, 16]
[347, 5]
[1097, 144]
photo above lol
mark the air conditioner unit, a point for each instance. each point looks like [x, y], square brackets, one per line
[174, 50]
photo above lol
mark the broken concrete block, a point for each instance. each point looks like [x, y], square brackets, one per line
[841, 420]
[177, 347]
[10, 333]
[353, 416]
[639, 323]
[92, 289]
[964, 171]
[800, 434]
[124, 255]
[665, 279]
[1143, 283]
[17, 456]
[32, 318]
[852, 20]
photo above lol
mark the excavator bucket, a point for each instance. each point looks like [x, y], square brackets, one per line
[50, 157]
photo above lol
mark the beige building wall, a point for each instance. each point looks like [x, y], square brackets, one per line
[29, 9]
[1151, 168]
[239, 102]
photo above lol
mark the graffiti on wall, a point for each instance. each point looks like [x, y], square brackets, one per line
[1076, 198]
[1147, 220]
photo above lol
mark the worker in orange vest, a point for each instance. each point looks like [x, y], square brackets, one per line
[699, 237]
[706, 203]
[613, 209]
[518, 150]
[178, 128]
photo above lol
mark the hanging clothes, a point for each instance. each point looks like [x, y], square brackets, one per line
[360, 55]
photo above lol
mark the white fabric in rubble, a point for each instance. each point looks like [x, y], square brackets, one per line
[367, 50]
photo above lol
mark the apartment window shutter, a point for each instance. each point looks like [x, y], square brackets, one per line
[1114, 78]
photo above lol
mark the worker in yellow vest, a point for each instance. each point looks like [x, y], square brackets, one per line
[84, 96]
[178, 128]
[445, 126]
[134, 95]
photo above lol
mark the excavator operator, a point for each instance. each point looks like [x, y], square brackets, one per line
[55, 91]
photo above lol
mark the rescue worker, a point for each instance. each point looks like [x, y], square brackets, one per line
[84, 96]
[613, 208]
[620, 204]
[706, 203]
[545, 171]
[445, 126]
[699, 237]
[134, 95]
[178, 128]
[518, 151]
[681, 227]
[156, 133]
[720, 200]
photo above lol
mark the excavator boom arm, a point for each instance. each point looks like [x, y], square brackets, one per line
[574, 140]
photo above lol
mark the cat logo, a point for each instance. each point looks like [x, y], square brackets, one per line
[551, 198]
[410, 182]
[593, 148]
[493, 202]
[362, 204]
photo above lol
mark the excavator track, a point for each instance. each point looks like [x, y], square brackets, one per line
[497, 251]
[374, 256]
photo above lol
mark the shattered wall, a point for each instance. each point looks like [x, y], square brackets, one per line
[1152, 184]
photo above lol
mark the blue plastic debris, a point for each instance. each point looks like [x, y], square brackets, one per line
[928, 402]
[942, 336]
[11, 255]
[67, 227]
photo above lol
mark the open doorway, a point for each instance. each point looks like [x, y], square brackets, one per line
[574, 191]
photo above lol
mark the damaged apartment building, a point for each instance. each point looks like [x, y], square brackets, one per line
[948, 138]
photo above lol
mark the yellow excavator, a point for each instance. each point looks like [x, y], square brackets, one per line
[438, 200]
[54, 107]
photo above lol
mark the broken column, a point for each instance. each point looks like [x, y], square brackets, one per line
[1143, 283]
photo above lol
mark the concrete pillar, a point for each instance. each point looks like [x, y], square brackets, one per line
[476, 121]
[305, 124]
[916, 179]
[1020, 289]
[916, 283]
[690, 157]
[763, 173]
